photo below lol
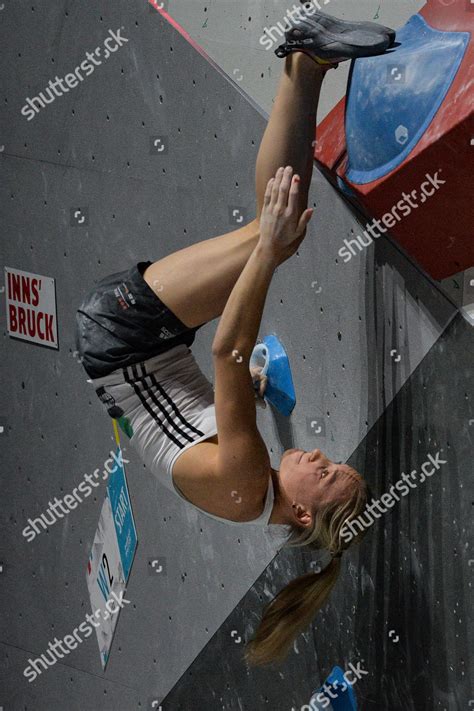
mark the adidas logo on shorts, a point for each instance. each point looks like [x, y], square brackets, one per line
[165, 334]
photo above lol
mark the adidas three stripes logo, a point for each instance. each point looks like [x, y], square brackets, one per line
[170, 420]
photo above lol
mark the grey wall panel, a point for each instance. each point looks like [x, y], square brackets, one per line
[152, 82]
[60, 687]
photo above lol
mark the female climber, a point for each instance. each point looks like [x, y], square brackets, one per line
[135, 329]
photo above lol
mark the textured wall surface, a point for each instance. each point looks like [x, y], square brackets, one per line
[377, 360]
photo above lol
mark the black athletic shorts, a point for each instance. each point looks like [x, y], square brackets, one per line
[123, 322]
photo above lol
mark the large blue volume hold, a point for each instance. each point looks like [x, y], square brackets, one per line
[393, 98]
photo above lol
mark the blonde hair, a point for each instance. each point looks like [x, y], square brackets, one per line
[292, 610]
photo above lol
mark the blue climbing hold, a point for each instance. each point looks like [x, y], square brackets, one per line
[394, 97]
[341, 694]
[272, 358]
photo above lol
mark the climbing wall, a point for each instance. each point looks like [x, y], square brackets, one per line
[151, 151]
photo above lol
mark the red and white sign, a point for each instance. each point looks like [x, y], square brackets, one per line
[31, 307]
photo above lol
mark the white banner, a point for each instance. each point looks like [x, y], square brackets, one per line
[31, 307]
[111, 557]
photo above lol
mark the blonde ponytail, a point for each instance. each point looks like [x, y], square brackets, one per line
[289, 613]
[293, 609]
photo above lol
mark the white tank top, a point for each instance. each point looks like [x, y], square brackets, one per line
[170, 405]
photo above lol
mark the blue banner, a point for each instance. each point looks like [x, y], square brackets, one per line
[122, 514]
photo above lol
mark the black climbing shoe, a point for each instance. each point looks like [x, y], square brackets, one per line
[330, 40]
[328, 20]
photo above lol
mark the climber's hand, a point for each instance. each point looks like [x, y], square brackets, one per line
[282, 227]
[261, 381]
